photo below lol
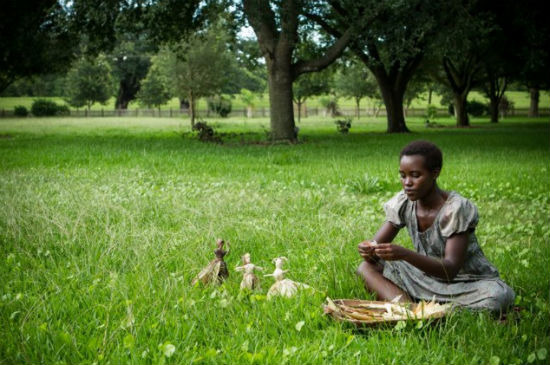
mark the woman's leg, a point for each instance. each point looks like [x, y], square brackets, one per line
[375, 282]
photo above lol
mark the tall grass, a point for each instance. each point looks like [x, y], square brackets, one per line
[104, 223]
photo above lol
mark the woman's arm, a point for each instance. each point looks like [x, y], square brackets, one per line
[386, 233]
[446, 268]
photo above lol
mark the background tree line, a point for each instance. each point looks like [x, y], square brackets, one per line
[151, 51]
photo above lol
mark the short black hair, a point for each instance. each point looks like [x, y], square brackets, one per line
[432, 154]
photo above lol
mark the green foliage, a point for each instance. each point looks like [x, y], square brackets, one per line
[476, 108]
[206, 133]
[343, 125]
[247, 97]
[505, 105]
[35, 39]
[89, 81]
[47, 108]
[330, 104]
[130, 61]
[154, 90]
[355, 81]
[197, 66]
[20, 111]
[431, 112]
[219, 105]
[311, 84]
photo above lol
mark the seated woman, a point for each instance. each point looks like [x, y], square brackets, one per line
[448, 263]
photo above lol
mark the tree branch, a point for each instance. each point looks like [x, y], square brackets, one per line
[332, 53]
[262, 19]
[324, 24]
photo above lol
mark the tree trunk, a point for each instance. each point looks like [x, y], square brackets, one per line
[249, 111]
[126, 93]
[534, 105]
[357, 110]
[280, 103]
[462, 119]
[184, 104]
[299, 108]
[430, 92]
[192, 109]
[493, 109]
[393, 101]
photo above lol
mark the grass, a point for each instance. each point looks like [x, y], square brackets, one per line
[520, 99]
[105, 222]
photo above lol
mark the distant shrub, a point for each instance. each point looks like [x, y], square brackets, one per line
[343, 125]
[476, 108]
[63, 110]
[219, 105]
[20, 111]
[431, 112]
[505, 106]
[47, 108]
[206, 133]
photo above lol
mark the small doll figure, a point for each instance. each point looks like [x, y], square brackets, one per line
[250, 281]
[216, 271]
[282, 286]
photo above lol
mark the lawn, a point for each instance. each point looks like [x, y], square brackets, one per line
[105, 222]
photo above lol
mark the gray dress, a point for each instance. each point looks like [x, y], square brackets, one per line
[477, 285]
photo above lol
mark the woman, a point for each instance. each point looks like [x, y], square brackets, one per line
[448, 264]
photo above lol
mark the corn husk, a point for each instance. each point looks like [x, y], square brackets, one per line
[374, 312]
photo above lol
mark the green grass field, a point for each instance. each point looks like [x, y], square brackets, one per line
[105, 221]
[520, 99]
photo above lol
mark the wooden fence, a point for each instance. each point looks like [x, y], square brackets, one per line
[258, 112]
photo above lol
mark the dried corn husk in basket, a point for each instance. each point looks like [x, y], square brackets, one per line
[374, 312]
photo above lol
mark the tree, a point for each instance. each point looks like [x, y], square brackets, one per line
[391, 40]
[462, 50]
[89, 81]
[34, 39]
[153, 90]
[130, 62]
[196, 67]
[308, 85]
[530, 34]
[355, 81]
[248, 99]
[277, 28]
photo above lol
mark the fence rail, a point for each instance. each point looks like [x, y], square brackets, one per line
[258, 112]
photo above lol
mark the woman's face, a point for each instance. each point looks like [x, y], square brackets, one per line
[416, 179]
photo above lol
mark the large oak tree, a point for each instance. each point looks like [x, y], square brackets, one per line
[277, 26]
[391, 39]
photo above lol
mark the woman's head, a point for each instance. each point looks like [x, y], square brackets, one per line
[433, 158]
[419, 165]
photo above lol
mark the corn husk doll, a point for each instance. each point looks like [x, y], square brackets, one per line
[250, 280]
[216, 271]
[283, 287]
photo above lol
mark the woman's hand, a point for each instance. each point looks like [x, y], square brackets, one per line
[366, 251]
[391, 252]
